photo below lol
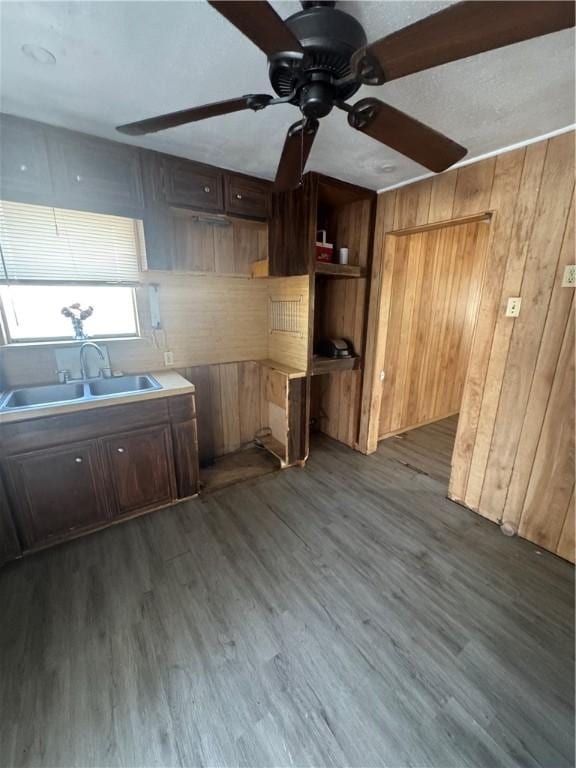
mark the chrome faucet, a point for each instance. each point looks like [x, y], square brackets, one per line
[83, 348]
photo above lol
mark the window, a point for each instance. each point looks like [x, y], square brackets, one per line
[51, 258]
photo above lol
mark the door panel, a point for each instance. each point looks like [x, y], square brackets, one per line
[92, 173]
[57, 490]
[141, 469]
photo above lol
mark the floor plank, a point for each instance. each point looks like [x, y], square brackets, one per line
[346, 614]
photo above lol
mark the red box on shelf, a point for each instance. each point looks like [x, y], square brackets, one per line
[324, 250]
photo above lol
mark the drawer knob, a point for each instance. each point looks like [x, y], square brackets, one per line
[207, 188]
[79, 178]
[23, 167]
[78, 459]
[121, 450]
[238, 196]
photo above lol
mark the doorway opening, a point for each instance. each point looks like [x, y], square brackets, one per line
[436, 284]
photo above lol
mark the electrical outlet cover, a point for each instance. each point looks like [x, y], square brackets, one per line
[569, 279]
[513, 306]
[168, 358]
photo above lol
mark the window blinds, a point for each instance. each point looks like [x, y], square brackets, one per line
[43, 244]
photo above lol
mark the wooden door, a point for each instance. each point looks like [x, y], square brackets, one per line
[436, 284]
[191, 185]
[56, 491]
[25, 169]
[95, 174]
[141, 469]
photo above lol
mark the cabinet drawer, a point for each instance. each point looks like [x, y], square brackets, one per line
[192, 185]
[141, 468]
[56, 491]
[96, 174]
[247, 197]
[24, 164]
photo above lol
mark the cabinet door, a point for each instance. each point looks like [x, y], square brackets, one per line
[9, 544]
[96, 174]
[56, 491]
[191, 185]
[24, 165]
[141, 469]
[247, 197]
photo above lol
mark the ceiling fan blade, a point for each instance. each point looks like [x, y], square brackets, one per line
[461, 30]
[260, 23]
[172, 119]
[297, 146]
[405, 134]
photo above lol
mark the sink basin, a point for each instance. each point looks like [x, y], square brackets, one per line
[85, 391]
[122, 385]
[53, 393]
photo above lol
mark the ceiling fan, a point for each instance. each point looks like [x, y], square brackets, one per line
[319, 57]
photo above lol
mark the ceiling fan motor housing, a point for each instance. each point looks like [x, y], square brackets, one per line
[329, 37]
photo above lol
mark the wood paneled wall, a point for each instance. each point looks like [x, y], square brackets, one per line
[340, 312]
[200, 246]
[230, 406]
[435, 292]
[289, 348]
[514, 453]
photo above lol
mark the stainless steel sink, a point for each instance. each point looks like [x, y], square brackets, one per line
[82, 391]
[28, 397]
[122, 385]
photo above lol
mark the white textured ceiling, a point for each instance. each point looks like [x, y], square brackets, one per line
[121, 61]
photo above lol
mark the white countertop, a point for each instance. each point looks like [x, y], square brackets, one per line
[171, 383]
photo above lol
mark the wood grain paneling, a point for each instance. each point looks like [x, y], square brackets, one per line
[288, 348]
[437, 275]
[517, 386]
[229, 406]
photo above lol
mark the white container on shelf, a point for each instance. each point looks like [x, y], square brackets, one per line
[343, 256]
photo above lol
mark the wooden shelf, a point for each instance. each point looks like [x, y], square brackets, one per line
[274, 446]
[285, 370]
[322, 365]
[339, 270]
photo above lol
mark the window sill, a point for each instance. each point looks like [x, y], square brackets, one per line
[70, 342]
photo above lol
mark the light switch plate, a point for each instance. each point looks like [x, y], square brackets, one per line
[569, 279]
[513, 306]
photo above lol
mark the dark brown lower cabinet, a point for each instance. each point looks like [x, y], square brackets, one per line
[56, 491]
[141, 469]
[121, 461]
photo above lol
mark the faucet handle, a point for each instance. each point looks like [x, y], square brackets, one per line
[64, 376]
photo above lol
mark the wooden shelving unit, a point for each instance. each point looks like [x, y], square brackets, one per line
[339, 270]
[322, 365]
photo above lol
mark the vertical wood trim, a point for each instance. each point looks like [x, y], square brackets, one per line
[375, 338]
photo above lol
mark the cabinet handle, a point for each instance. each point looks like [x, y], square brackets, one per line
[238, 196]
[121, 450]
[207, 189]
[23, 167]
[78, 459]
[79, 178]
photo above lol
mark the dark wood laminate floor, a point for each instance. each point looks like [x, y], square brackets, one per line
[342, 615]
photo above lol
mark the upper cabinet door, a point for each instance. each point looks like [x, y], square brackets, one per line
[248, 197]
[141, 468]
[192, 186]
[95, 174]
[56, 491]
[25, 168]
